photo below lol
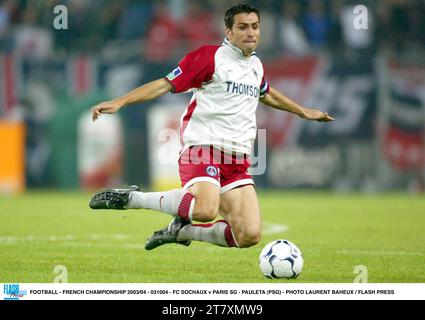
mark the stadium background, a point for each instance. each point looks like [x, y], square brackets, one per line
[311, 52]
[372, 81]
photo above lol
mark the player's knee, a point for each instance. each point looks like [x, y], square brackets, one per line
[249, 237]
[250, 241]
[205, 210]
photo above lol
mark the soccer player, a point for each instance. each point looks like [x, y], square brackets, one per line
[216, 134]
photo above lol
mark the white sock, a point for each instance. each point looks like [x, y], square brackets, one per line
[176, 202]
[218, 233]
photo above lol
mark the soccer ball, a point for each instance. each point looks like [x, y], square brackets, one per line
[281, 259]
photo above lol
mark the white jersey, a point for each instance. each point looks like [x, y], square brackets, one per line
[226, 87]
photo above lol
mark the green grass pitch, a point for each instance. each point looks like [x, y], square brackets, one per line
[385, 233]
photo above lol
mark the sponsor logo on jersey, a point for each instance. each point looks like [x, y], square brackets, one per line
[244, 89]
[174, 74]
[211, 171]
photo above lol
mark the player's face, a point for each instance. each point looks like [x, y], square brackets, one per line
[245, 33]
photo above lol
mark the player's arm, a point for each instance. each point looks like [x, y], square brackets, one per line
[277, 100]
[149, 91]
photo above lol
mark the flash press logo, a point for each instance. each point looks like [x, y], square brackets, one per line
[12, 292]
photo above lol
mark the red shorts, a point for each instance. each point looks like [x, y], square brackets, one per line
[206, 163]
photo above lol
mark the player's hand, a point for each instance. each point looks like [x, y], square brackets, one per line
[317, 115]
[108, 107]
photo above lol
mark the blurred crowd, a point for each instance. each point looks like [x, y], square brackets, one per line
[161, 30]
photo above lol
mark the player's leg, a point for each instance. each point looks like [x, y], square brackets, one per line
[238, 205]
[241, 210]
[206, 200]
[199, 199]
[200, 202]
[217, 233]
[242, 224]
[176, 202]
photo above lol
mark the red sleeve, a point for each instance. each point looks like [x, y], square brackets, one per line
[194, 69]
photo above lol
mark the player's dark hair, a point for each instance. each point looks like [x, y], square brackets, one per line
[229, 16]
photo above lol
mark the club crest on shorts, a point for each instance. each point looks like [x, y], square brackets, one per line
[211, 171]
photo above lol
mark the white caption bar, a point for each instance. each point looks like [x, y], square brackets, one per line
[213, 291]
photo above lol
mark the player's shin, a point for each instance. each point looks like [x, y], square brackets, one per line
[218, 233]
[176, 202]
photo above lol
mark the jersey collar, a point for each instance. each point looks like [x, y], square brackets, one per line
[226, 42]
